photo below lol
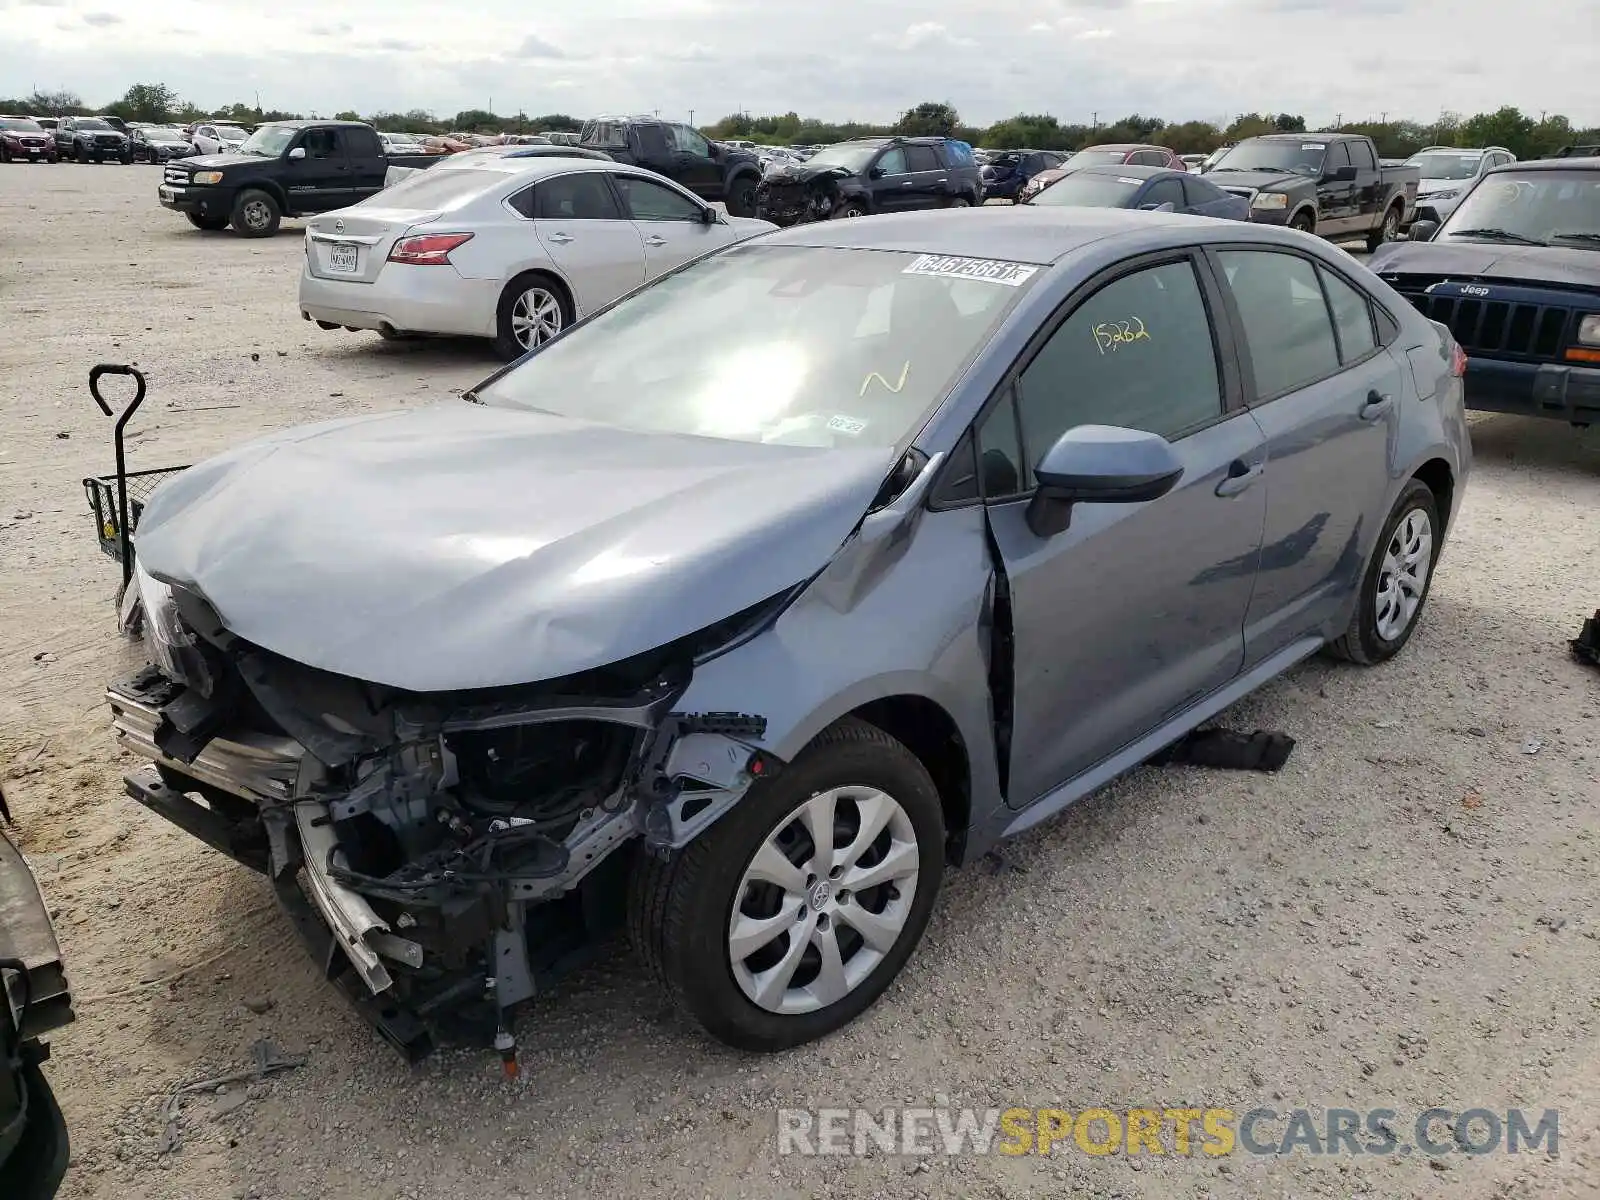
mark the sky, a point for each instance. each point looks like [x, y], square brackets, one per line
[833, 59]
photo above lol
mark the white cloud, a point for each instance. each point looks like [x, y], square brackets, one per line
[534, 46]
[924, 33]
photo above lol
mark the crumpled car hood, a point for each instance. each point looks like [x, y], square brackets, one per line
[461, 546]
[1563, 265]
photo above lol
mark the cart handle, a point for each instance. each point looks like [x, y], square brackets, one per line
[95, 374]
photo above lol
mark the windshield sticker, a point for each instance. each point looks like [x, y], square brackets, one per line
[990, 270]
[1111, 336]
[1315, 146]
[839, 423]
[893, 387]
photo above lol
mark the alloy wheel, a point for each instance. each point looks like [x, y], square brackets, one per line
[535, 317]
[1403, 578]
[824, 900]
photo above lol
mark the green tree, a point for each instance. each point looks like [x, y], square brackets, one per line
[928, 119]
[347, 115]
[1289, 123]
[1248, 125]
[1193, 137]
[1506, 127]
[153, 102]
[477, 120]
[55, 104]
[559, 122]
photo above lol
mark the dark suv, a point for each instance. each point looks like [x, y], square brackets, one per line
[1008, 170]
[872, 175]
[682, 154]
[91, 139]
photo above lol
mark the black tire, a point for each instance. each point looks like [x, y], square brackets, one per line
[850, 208]
[127, 158]
[958, 202]
[256, 214]
[82, 154]
[209, 224]
[506, 342]
[5, 155]
[1304, 222]
[679, 908]
[1362, 642]
[741, 199]
[1388, 230]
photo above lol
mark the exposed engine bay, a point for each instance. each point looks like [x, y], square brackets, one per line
[446, 856]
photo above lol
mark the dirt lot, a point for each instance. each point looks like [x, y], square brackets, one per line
[1406, 916]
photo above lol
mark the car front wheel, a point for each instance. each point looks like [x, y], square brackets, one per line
[1395, 586]
[742, 197]
[255, 214]
[791, 915]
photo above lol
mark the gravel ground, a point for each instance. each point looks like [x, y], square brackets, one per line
[1405, 916]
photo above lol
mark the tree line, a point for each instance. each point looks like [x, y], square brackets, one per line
[1506, 126]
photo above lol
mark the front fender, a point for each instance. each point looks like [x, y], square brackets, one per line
[901, 611]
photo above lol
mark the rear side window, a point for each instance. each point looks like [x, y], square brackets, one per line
[921, 158]
[1352, 318]
[1149, 158]
[610, 135]
[653, 140]
[582, 197]
[1164, 191]
[1138, 353]
[1361, 155]
[1287, 329]
[363, 143]
[321, 143]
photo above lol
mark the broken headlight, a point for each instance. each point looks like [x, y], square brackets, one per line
[174, 647]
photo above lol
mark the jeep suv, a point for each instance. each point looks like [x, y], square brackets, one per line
[872, 175]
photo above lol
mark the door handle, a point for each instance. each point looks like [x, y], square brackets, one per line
[561, 239]
[653, 240]
[909, 183]
[1240, 476]
[1377, 404]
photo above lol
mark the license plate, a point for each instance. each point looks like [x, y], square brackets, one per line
[342, 257]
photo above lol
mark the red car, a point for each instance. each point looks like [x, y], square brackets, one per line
[1133, 154]
[22, 139]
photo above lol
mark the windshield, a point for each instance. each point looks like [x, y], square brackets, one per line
[1274, 154]
[792, 345]
[229, 134]
[18, 125]
[162, 133]
[1436, 165]
[852, 156]
[1085, 189]
[270, 141]
[1547, 207]
[91, 123]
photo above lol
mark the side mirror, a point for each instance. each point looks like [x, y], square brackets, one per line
[1343, 175]
[708, 216]
[1100, 464]
[298, 152]
[875, 173]
[1423, 231]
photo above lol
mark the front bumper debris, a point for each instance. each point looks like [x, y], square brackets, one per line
[424, 870]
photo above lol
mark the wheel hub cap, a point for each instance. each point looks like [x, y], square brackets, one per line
[824, 899]
[1403, 577]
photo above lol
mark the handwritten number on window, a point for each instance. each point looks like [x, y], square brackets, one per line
[1111, 336]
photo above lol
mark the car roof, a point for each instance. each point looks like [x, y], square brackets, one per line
[1300, 137]
[1020, 234]
[1129, 146]
[1547, 164]
[300, 124]
[534, 166]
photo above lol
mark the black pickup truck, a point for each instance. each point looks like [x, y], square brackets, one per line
[1514, 271]
[284, 169]
[1325, 183]
[682, 154]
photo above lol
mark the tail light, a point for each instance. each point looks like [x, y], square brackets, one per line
[1458, 359]
[427, 250]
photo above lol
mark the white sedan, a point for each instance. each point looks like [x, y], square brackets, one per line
[511, 249]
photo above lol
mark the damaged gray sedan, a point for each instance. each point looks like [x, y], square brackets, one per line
[745, 609]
